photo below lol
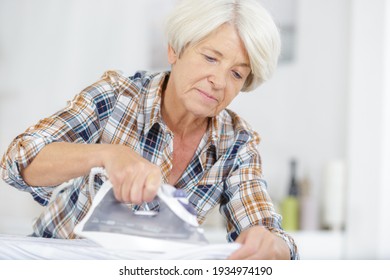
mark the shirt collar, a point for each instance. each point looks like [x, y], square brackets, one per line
[151, 111]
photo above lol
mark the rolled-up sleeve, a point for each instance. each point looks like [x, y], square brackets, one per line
[81, 121]
[246, 200]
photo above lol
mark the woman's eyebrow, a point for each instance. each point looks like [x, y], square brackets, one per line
[218, 53]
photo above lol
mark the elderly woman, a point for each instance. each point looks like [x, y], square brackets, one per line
[170, 127]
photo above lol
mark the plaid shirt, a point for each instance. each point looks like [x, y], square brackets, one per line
[225, 171]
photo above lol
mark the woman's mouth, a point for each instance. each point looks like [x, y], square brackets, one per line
[207, 96]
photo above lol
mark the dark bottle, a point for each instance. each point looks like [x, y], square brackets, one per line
[293, 187]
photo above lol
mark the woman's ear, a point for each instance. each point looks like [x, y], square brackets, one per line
[172, 57]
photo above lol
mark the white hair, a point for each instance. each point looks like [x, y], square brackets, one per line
[193, 20]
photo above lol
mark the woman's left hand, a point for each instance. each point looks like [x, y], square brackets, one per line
[258, 243]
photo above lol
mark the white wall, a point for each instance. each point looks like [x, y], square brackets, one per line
[368, 132]
[384, 211]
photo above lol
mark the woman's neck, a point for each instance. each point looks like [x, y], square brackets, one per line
[178, 120]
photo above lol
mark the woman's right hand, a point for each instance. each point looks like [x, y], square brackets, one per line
[134, 179]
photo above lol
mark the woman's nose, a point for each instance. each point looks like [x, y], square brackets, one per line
[217, 79]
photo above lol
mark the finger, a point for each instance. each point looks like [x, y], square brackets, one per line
[117, 193]
[126, 188]
[137, 188]
[117, 187]
[120, 192]
[152, 183]
[117, 179]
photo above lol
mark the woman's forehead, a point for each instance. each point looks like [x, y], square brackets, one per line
[224, 41]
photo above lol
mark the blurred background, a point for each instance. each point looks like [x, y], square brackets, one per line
[324, 118]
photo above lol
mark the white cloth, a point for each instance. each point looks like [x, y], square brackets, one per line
[38, 248]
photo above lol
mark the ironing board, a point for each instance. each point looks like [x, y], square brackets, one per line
[13, 247]
[26, 247]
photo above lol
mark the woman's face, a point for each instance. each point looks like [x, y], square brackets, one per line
[206, 77]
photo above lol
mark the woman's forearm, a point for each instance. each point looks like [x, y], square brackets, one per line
[134, 178]
[59, 162]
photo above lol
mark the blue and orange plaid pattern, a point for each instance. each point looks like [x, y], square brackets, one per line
[225, 171]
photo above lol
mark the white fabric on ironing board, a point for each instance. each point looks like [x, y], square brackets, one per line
[34, 248]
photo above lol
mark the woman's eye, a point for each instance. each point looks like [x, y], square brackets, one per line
[237, 75]
[210, 59]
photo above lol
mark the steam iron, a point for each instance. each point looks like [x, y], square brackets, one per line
[170, 226]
